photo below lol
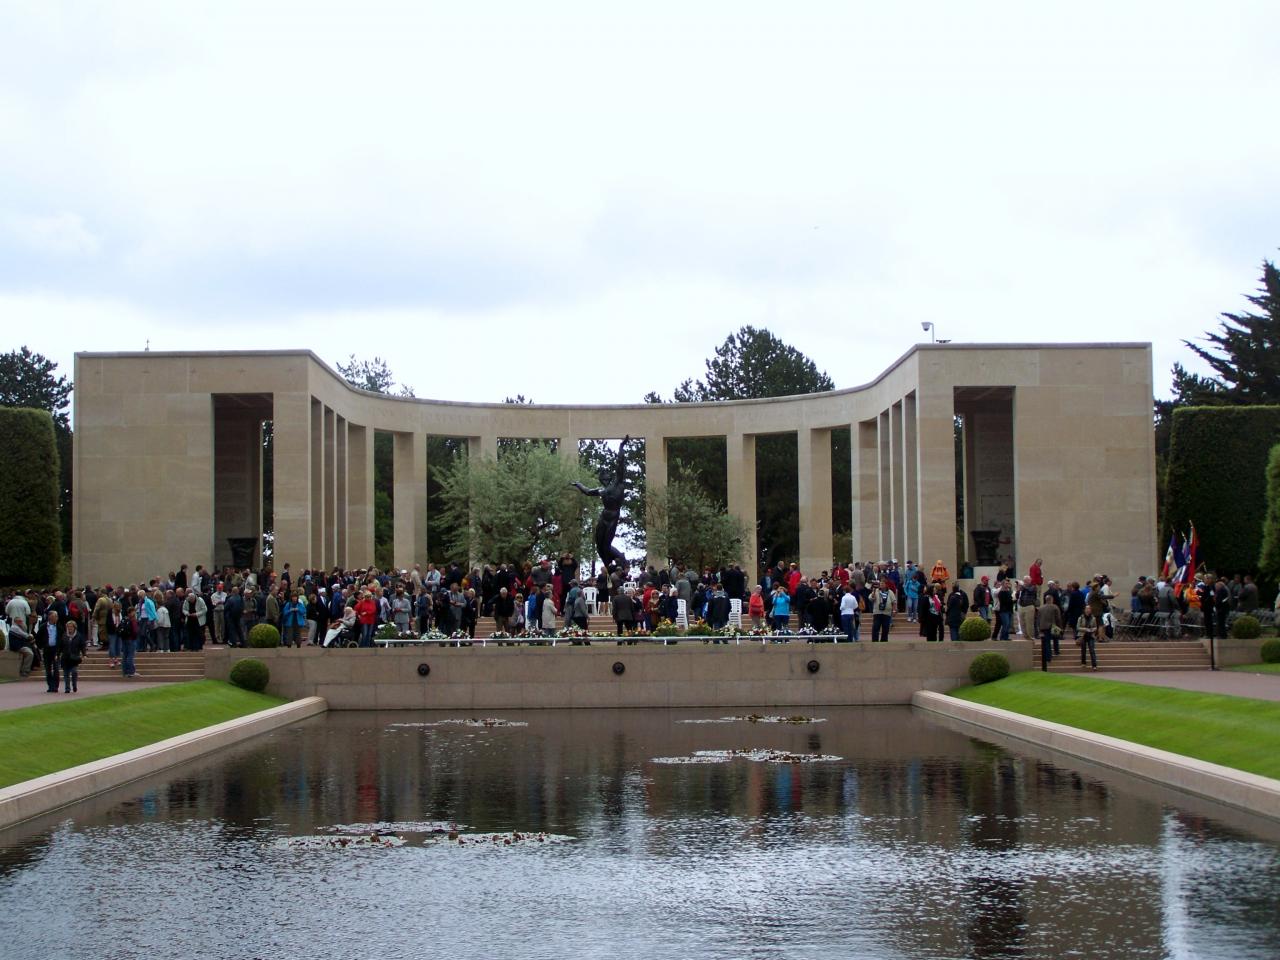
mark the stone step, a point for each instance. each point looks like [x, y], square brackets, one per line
[1111, 668]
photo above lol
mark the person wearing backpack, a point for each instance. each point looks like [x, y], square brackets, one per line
[882, 605]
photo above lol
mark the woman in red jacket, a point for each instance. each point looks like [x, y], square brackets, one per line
[366, 615]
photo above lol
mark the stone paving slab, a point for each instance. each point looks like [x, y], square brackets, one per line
[29, 693]
[1259, 686]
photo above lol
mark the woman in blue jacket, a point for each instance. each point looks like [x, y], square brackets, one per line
[781, 609]
[293, 618]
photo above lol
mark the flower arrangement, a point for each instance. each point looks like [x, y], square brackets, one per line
[434, 634]
[700, 629]
[573, 633]
[500, 635]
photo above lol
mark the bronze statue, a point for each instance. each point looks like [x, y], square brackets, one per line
[611, 495]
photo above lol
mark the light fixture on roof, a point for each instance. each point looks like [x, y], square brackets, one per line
[932, 330]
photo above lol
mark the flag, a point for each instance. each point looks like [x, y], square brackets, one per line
[1187, 565]
[1171, 563]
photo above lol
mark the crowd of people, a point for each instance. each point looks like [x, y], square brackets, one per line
[189, 608]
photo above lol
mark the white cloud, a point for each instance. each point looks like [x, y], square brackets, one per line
[634, 184]
[60, 235]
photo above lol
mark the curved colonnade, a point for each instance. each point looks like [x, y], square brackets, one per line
[1057, 455]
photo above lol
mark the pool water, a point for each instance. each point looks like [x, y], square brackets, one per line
[620, 833]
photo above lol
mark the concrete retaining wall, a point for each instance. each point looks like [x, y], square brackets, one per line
[10, 662]
[1234, 653]
[687, 674]
[1247, 791]
[28, 799]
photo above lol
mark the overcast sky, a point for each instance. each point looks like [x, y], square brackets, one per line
[578, 204]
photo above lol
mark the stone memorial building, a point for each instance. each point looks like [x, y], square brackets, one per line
[1056, 458]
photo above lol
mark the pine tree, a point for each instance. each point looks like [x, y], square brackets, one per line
[1244, 354]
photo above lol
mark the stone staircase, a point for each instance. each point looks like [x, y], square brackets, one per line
[152, 667]
[1121, 656]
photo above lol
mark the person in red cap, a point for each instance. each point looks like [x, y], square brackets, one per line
[982, 599]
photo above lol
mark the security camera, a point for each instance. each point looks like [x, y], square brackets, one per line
[925, 325]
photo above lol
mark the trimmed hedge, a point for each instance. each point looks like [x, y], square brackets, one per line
[986, 667]
[1217, 479]
[250, 674]
[30, 533]
[975, 629]
[264, 636]
[1269, 560]
[1246, 628]
[1271, 651]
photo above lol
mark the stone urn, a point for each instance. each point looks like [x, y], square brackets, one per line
[242, 551]
[986, 547]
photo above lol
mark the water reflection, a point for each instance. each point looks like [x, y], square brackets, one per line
[921, 842]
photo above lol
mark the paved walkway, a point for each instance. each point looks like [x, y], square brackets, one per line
[28, 693]
[1259, 686]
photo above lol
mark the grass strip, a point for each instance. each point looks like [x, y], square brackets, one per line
[54, 736]
[1237, 732]
[1257, 668]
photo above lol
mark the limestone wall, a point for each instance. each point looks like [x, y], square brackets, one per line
[149, 495]
[687, 674]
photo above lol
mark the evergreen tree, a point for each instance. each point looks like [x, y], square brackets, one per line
[752, 364]
[1244, 353]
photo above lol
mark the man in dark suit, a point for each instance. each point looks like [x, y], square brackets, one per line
[50, 639]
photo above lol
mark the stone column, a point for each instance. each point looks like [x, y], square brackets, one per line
[912, 495]
[655, 478]
[935, 443]
[740, 453]
[315, 558]
[567, 447]
[814, 473]
[886, 488]
[409, 489]
[359, 496]
[897, 469]
[485, 446]
[866, 490]
[330, 543]
[291, 487]
[341, 506]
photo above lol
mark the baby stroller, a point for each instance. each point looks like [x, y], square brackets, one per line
[340, 635]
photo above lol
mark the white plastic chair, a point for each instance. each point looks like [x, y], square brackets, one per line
[682, 614]
[630, 585]
[735, 613]
[591, 596]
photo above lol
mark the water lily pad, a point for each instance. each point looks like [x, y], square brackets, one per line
[758, 755]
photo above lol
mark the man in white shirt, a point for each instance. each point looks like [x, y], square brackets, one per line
[219, 597]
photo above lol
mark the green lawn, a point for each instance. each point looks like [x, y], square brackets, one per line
[1233, 731]
[54, 736]
[1258, 668]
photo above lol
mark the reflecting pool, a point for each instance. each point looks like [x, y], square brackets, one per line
[617, 834]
